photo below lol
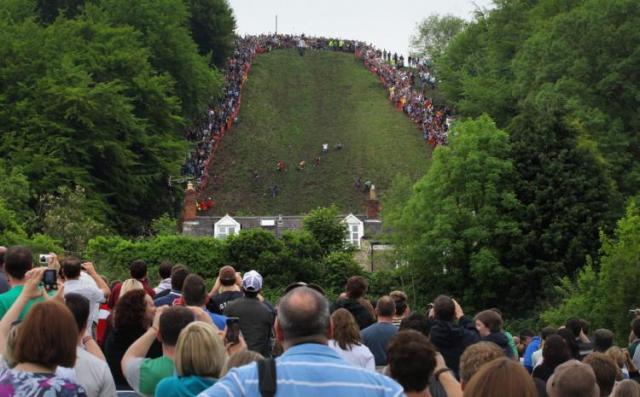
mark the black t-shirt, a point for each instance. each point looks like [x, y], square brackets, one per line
[256, 322]
[218, 302]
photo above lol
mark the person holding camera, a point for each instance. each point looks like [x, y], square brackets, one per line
[38, 349]
[71, 270]
[18, 261]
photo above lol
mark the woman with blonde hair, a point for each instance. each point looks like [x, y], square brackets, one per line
[347, 341]
[199, 359]
[240, 358]
[501, 377]
[130, 285]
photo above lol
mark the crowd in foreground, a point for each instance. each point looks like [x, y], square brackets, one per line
[64, 331]
[407, 86]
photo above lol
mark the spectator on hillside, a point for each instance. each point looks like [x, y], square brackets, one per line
[194, 293]
[256, 318]
[178, 275]
[225, 290]
[527, 357]
[138, 271]
[355, 302]
[602, 340]
[308, 366]
[580, 329]
[71, 270]
[17, 262]
[164, 287]
[348, 342]
[143, 374]
[199, 360]
[132, 317]
[402, 308]
[502, 377]
[489, 326]
[377, 336]
[91, 369]
[475, 356]
[4, 282]
[413, 362]
[38, 350]
[573, 379]
[554, 352]
[606, 371]
[449, 338]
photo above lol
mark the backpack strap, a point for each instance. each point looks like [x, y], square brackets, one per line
[267, 377]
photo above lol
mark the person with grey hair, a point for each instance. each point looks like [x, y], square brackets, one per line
[308, 366]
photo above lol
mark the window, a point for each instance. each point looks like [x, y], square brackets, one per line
[353, 237]
[225, 231]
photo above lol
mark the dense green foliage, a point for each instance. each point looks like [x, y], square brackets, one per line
[560, 79]
[212, 25]
[96, 94]
[459, 225]
[291, 105]
[604, 296]
[295, 256]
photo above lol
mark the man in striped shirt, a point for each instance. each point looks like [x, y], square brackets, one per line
[308, 367]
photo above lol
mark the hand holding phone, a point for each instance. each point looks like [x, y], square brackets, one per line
[233, 330]
[50, 279]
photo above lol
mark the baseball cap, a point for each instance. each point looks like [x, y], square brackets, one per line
[227, 273]
[573, 379]
[252, 281]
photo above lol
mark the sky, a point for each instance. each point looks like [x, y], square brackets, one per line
[386, 24]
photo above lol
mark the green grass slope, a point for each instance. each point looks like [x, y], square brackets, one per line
[292, 105]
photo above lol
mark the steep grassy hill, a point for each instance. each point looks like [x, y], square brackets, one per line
[291, 106]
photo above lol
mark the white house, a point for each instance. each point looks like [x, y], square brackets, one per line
[225, 227]
[355, 230]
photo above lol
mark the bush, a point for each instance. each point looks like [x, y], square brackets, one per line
[112, 255]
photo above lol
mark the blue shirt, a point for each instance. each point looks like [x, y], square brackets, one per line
[183, 386]
[167, 299]
[218, 319]
[376, 337]
[532, 347]
[308, 369]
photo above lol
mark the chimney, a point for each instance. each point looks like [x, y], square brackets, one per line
[190, 206]
[373, 204]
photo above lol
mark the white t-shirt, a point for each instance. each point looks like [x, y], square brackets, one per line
[359, 355]
[91, 292]
[93, 374]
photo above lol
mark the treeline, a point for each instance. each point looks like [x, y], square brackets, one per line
[543, 159]
[96, 94]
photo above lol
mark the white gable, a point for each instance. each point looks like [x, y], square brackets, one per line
[355, 230]
[225, 227]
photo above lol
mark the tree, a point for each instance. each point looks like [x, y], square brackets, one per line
[213, 29]
[325, 226]
[603, 296]
[163, 28]
[459, 228]
[434, 34]
[565, 192]
[69, 217]
[81, 105]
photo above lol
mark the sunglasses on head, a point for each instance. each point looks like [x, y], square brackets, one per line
[297, 284]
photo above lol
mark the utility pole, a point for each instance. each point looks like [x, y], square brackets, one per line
[276, 23]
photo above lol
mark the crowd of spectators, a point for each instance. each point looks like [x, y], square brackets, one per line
[179, 339]
[406, 86]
